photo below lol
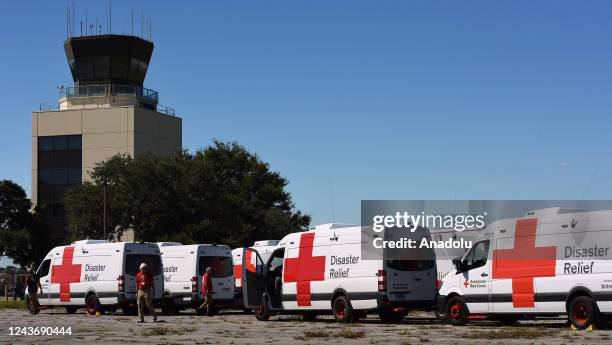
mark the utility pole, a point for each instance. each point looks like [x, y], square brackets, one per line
[104, 220]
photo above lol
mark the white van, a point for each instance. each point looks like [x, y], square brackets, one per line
[445, 256]
[97, 275]
[322, 271]
[552, 261]
[265, 249]
[184, 267]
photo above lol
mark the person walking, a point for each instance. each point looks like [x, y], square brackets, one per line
[144, 280]
[207, 289]
[33, 285]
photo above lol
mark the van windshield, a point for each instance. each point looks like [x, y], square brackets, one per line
[133, 261]
[221, 266]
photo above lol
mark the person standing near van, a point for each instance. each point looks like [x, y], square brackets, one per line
[144, 280]
[207, 288]
[33, 285]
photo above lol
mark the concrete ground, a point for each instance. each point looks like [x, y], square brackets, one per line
[238, 328]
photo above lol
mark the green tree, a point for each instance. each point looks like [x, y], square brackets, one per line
[221, 194]
[23, 234]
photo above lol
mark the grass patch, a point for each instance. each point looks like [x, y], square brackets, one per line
[160, 330]
[351, 333]
[510, 333]
[12, 304]
[316, 333]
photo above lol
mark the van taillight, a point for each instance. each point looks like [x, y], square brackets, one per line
[438, 284]
[121, 283]
[194, 284]
[382, 281]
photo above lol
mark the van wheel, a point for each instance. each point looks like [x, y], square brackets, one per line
[309, 316]
[582, 312]
[71, 310]
[343, 311]
[389, 316]
[92, 303]
[262, 312]
[456, 311]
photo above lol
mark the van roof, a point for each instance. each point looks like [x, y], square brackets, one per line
[167, 244]
[553, 210]
[266, 243]
[331, 226]
[89, 242]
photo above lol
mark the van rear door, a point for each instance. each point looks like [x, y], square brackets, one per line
[253, 278]
[411, 272]
[133, 258]
[222, 275]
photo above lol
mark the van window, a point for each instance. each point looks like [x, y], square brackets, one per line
[477, 256]
[133, 261]
[43, 269]
[221, 266]
[276, 263]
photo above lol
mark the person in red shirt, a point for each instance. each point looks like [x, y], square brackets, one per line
[144, 281]
[207, 288]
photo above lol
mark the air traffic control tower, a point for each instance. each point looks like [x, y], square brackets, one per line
[107, 111]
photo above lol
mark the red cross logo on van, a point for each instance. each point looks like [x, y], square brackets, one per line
[524, 262]
[304, 269]
[66, 273]
[466, 283]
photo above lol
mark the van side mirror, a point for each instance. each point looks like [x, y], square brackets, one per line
[458, 265]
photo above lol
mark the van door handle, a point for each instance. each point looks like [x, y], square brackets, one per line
[484, 274]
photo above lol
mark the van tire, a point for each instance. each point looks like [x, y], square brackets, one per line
[389, 316]
[342, 309]
[582, 312]
[71, 310]
[92, 303]
[262, 312]
[457, 311]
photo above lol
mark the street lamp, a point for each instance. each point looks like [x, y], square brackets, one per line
[104, 216]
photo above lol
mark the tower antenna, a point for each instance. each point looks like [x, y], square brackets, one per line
[110, 17]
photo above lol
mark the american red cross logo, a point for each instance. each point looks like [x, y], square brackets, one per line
[66, 273]
[466, 283]
[304, 269]
[524, 262]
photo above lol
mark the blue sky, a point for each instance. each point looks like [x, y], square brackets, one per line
[379, 100]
